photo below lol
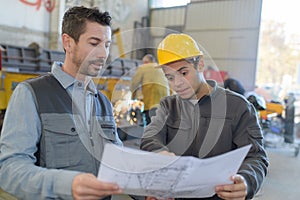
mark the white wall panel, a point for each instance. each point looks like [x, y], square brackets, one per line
[20, 15]
[228, 43]
[229, 32]
[240, 69]
[167, 17]
[229, 14]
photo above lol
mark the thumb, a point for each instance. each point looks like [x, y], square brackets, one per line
[237, 179]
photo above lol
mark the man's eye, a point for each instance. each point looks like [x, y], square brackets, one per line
[169, 78]
[184, 73]
[94, 44]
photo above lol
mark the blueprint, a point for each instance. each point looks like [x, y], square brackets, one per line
[151, 174]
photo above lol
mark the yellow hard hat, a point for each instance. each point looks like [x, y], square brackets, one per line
[176, 47]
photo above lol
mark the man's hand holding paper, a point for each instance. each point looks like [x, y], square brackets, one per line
[151, 174]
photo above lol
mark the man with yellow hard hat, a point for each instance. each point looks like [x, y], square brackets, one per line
[205, 120]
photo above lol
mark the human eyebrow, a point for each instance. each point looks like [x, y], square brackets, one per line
[94, 40]
[181, 68]
[97, 40]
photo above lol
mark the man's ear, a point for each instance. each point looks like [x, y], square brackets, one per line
[66, 42]
[201, 66]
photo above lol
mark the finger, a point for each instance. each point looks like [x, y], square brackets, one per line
[238, 184]
[92, 182]
[89, 185]
[167, 153]
[100, 191]
[89, 197]
[89, 193]
[229, 189]
[231, 195]
[150, 198]
[237, 179]
[232, 191]
[107, 186]
[237, 190]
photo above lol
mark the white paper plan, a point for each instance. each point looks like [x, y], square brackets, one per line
[151, 174]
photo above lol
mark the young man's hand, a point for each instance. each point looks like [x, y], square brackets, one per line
[235, 191]
[87, 186]
[167, 153]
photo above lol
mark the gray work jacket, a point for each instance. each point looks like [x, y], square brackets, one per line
[41, 122]
[61, 145]
[217, 123]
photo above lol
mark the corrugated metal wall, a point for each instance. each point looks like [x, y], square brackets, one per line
[220, 15]
[166, 18]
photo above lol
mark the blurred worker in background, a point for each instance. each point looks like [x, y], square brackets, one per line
[154, 85]
[233, 85]
[204, 120]
[289, 120]
[55, 126]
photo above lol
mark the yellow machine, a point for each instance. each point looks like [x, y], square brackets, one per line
[105, 84]
[10, 81]
[272, 108]
[21, 63]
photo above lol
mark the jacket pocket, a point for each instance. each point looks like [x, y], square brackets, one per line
[106, 128]
[179, 136]
[60, 144]
[59, 123]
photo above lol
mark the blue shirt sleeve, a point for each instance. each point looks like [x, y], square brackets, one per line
[19, 138]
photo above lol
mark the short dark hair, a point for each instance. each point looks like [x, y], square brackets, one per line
[75, 18]
[194, 60]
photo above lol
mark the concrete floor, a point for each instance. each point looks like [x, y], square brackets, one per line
[283, 179]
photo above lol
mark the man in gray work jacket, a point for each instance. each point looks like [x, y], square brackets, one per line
[56, 125]
[204, 120]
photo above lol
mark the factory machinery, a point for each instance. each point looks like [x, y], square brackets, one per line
[19, 63]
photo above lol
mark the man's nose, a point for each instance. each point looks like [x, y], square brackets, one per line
[178, 80]
[102, 51]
